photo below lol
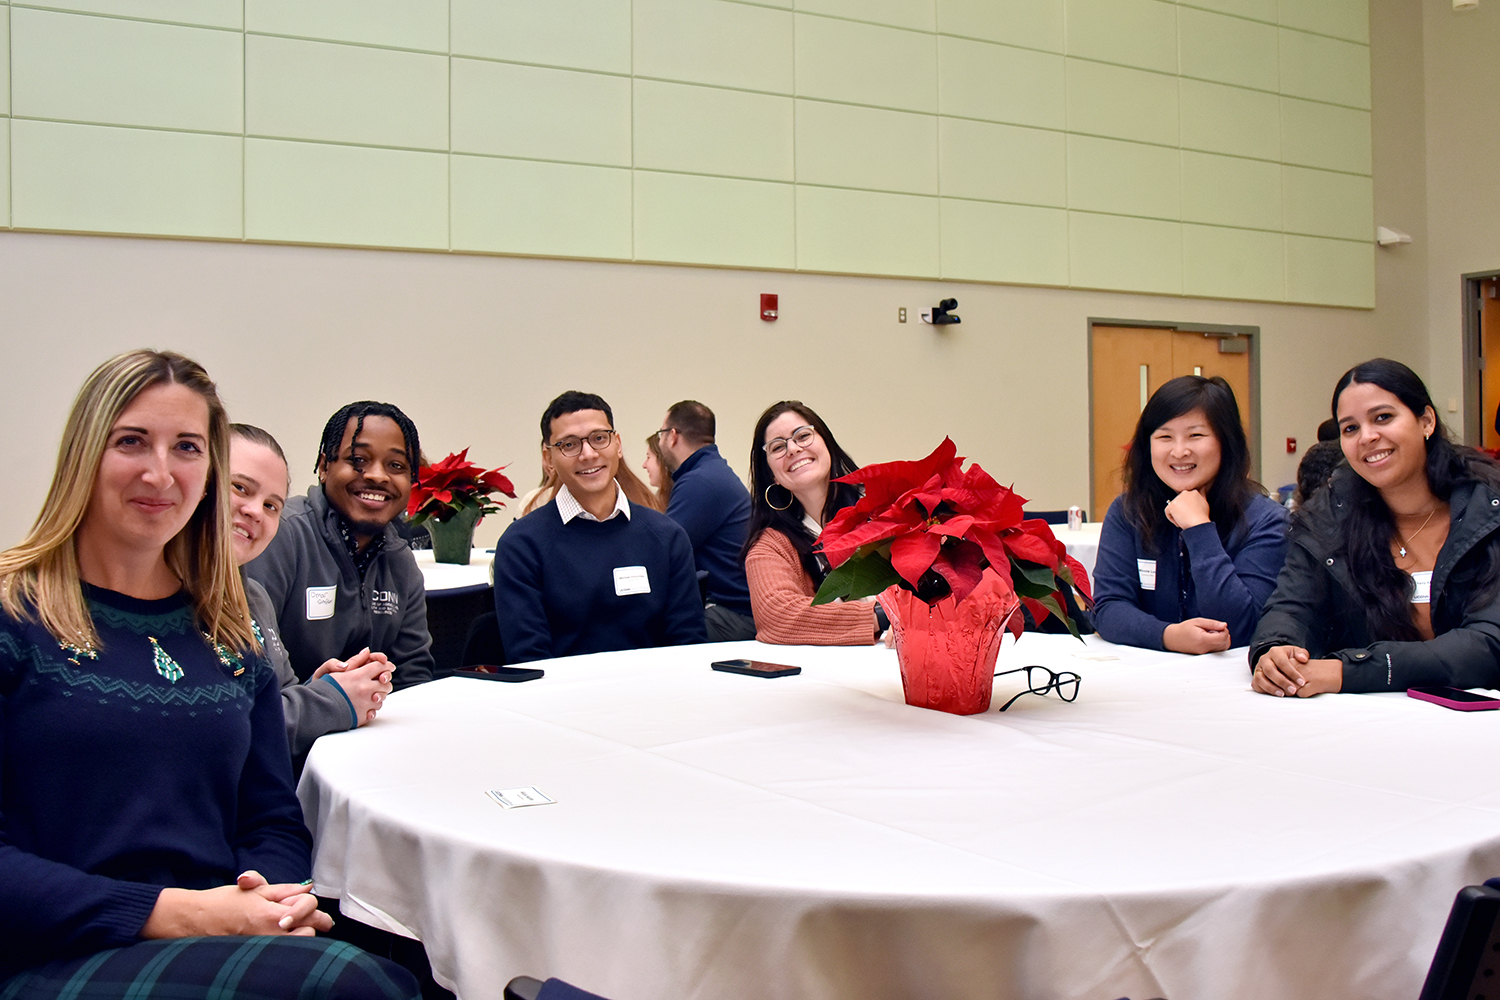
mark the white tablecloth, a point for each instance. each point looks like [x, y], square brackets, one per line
[716, 836]
[440, 577]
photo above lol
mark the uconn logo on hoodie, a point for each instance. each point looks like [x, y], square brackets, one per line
[385, 602]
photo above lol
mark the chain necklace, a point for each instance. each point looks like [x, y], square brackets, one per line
[1407, 541]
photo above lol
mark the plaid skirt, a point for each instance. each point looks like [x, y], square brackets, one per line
[218, 968]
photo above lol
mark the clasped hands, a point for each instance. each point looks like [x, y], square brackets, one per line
[365, 678]
[251, 906]
[1286, 671]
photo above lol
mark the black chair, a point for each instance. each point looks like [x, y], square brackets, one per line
[483, 643]
[526, 988]
[1467, 962]
[1050, 516]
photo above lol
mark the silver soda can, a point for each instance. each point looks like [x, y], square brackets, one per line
[1075, 518]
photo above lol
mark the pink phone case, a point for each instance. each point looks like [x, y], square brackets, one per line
[1456, 699]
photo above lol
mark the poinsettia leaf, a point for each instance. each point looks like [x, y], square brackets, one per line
[886, 481]
[1050, 602]
[1029, 547]
[962, 566]
[912, 555]
[1074, 573]
[857, 578]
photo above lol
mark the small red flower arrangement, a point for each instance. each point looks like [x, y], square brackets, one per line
[456, 484]
[932, 527]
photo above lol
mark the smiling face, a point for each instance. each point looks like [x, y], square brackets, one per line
[153, 473]
[1185, 452]
[653, 469]
[257, 493]
[591, 472]
[371, 481]
[798, 467]
[1384, 441]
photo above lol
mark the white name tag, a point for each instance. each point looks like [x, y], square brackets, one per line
[631, 580]
[320, 602]
[1424, 588]
[1147, 569]
[516, 798]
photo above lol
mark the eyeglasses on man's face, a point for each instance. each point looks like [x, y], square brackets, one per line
[572, 446]
[801, 437]
[1040, 680]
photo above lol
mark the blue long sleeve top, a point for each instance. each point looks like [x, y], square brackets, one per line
[713, 507]
[1191, 574]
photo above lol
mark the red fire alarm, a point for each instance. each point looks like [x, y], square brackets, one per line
[1291, 446]
[768, 308]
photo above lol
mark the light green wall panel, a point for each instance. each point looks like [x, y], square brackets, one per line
[1115, 252]
[713, 41]
[1232, 263]
[402, 24]
[862, 232]
[1015, 243]
[1348, 19]
[714, 220]
[1320, 135]
[708, 130]
[842, 145]
[1319, 203]
[1330, 272]
[1229, 120]
[920, 15]
[580, 34]
[4, 171]
[95, 178]
[345, 93]
[1141, 33]
[1126, 178]
[5, 60]
[309, 192]
[1228, 49]
[1259, 10]
[866, 64]
[1002, 162]
[101, 69]
[1036, 24]
[999, 83]
[1230, 191]
[1325, 69]
[1122, 103]
[544, 209]
[212, 13]
[538, 113]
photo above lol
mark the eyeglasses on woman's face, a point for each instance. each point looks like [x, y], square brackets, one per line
[572, 446]
[801, 437]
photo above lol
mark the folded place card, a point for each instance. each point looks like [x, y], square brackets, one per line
[515, 798]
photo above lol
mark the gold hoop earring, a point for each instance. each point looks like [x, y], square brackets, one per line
[771, 505]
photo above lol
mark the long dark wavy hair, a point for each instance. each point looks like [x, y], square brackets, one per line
[1368, 528]
[1232, 490]
[789, 520]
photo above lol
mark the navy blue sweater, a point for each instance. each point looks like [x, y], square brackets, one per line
[555, 585]
[713, 507]
[1196, 575]
[117, 780]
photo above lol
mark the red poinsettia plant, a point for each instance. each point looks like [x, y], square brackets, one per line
[932, 527]
[454, 484]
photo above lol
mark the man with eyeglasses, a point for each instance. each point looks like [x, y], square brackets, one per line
[713, 507]
[591, 572]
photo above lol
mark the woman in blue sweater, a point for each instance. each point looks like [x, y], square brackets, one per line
[1190, 551]
[151, 843]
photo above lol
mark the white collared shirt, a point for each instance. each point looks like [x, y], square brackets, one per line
[570, 508]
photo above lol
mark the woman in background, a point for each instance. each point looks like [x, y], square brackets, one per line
[793, 457]
[1393, 578]
[1190, 551]
[657, 472]
[152, 844]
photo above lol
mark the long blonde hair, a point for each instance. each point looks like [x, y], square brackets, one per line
[39, 578]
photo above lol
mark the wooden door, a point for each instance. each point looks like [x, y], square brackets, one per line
[1129, 363]
[1489, 354]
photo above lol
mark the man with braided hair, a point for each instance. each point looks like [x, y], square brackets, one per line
[339, 576]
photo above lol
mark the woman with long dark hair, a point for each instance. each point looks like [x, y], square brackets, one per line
[793, 457]
[1393, 578]
[1190, 551]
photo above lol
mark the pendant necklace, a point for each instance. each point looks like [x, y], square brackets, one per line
[1407, 541]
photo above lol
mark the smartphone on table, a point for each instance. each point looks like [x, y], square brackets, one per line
[756, 668]
[508, 675]
[1455, 698]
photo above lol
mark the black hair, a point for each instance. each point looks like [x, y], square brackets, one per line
[571, 402]
[1328, 430]
[788, 520]
[1229, 495]
[1368, 527]
[1316, 467]
[694, 421]
[256, 435]
[333, 431]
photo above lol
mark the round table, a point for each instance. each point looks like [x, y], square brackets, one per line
[1170, 833]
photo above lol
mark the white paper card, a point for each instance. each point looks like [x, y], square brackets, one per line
[1147, 569]
[1424, 587]
[515, 798]
[631, 580]
[320, 602]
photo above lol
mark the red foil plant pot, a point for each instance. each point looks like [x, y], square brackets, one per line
[953, 540]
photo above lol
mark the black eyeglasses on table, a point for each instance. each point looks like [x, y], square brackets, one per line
[1065, 683]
